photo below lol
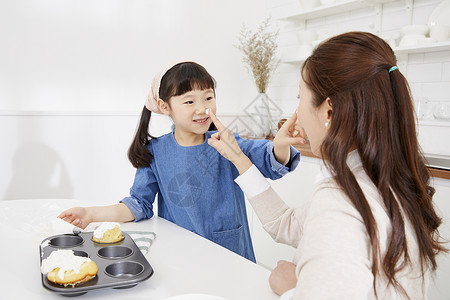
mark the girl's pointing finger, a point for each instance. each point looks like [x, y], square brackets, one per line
[216, 121]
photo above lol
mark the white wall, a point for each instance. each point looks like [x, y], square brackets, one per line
[103, 54]
[66, 156]
[74, 76]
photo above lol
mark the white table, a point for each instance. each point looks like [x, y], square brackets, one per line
[183, 262]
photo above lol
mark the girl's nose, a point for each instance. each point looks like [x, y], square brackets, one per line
[200, 109]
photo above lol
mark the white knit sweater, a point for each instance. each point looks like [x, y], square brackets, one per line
[333, 255]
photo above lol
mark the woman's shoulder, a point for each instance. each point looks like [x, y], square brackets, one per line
[329, 196]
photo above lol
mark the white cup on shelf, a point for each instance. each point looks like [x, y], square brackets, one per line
[428, 41]
[413, 35]
[412, 40]
[440, 32]
[442, 110]
[424, 108]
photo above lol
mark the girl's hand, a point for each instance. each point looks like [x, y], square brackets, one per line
[83, 216]
[225, 143]
[289, 134]
[78, 216]
[283, 277]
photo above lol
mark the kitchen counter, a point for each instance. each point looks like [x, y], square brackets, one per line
[434, 169]
[183, 262]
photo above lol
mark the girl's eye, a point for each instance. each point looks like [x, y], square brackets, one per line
[209, 98]
[188, 102]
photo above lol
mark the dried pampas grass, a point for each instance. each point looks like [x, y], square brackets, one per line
[259, 49]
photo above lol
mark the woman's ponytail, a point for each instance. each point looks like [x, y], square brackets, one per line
[138, 153]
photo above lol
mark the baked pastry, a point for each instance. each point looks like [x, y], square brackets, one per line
[65, 268]
[108, 232]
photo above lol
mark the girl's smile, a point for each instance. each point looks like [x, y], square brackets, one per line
[202, 121]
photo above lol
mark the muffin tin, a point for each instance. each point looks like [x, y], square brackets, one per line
[120, 265]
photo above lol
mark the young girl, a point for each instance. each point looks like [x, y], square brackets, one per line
[194, 183]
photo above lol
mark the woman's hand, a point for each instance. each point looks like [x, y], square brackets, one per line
[78, 216]
[289, 134]
[283, 277]
[225, 143]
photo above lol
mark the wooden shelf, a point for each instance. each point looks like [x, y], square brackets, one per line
[305, 150]
[439, 173]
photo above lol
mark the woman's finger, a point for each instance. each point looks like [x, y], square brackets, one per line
[290, 122]
[300, 131]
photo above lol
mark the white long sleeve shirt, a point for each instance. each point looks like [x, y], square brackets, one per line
[333, 255]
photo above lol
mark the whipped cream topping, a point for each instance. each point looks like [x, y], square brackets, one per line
[65, 260]
[43, 245]
[100, 230]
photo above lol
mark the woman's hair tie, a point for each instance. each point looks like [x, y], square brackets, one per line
[392, 69]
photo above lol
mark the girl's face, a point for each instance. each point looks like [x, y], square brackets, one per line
[188, 111]
[313, 119]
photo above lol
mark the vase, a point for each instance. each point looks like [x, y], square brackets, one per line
[264, 114]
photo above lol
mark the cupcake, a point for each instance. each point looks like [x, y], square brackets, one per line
[108, 232]
[63, 267]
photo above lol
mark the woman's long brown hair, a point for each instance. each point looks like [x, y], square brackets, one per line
[373, 112]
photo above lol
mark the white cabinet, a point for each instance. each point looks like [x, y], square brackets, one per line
[348, 5]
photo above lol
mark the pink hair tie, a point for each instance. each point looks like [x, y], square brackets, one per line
[152, 98]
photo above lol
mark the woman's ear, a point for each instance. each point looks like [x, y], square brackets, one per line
[163, 107]
[330, 108]
[326, 109]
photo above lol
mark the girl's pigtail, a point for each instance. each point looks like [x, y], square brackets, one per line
[138, 153]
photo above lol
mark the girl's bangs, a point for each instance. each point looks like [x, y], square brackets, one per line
[183, 78]
[202, 83]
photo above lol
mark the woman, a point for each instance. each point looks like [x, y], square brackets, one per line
[370, 229]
